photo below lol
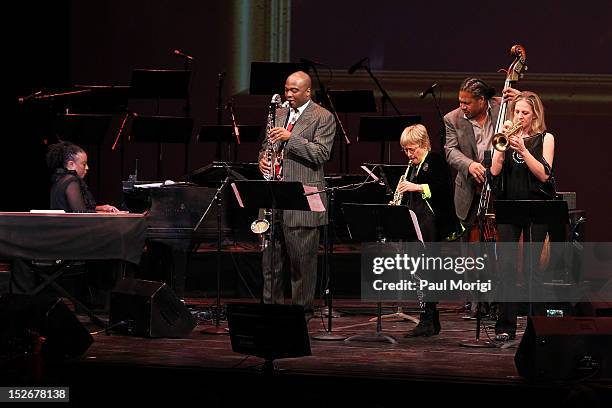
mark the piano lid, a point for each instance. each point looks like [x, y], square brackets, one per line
[213, 174]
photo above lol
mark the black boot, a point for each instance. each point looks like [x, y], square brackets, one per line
[426, 326]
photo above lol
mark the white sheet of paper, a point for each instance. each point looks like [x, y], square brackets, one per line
[149, 185]
[415, 222]
[314, 200]
[48, 211]
[237, 194]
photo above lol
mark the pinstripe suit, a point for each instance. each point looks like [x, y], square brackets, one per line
[305, 153]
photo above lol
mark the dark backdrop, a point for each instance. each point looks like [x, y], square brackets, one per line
[455, 36]
[71, 43]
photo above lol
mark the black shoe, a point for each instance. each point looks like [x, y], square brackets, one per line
[423, 329]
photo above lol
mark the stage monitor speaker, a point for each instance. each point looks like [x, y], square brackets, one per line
[23, 317]
[149, 309]
[565, 348]
[268, 331]
[594, 304]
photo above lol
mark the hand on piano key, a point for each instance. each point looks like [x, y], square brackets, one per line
[108, 209]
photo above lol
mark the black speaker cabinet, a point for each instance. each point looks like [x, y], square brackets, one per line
[23, 317]
[565, 348]
[149, 309]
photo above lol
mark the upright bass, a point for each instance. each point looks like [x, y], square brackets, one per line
[484, 216]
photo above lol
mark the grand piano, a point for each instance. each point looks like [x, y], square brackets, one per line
[174, 210]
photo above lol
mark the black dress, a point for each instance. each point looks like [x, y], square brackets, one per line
[436, 214]
[70, 193]
[517, 182]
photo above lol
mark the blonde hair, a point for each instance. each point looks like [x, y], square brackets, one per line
[416, 134]
[538, 125]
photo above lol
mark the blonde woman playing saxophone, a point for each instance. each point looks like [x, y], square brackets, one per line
[427, 191]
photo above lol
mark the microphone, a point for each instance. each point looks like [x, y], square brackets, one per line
[428, 91]
[357, 65]
[182, 54]
[22, 99]
[230, 107]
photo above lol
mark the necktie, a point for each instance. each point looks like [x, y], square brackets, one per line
[292, 119]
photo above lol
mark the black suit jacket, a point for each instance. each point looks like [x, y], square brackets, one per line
[435, 172]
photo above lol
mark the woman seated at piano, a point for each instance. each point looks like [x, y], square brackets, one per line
[69, 192]
[426, 190]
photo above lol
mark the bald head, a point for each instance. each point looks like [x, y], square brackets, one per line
[297, 89]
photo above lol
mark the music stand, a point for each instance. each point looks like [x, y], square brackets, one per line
[162, 129]
[226, 134]
[268, 78]
[353, 100]
[391, 174]
[347, 101]
[384, 129]
[160, 84]
[529, 212]
[275, 195]
[212, 174]
[268, 331]
[100, 99]
[380, 223]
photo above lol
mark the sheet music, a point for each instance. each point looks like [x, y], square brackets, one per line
[314, 200]
[149, 185]
[237, 194]
[48, 211]
[417, 228]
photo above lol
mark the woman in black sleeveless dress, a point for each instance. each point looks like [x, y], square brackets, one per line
[522, 172]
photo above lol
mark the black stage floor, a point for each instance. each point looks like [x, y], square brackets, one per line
[202, 369]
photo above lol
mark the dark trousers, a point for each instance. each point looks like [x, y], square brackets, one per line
[533, 239]
[296, 247]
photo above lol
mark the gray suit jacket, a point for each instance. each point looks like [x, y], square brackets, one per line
[461, 151]
[305, 153]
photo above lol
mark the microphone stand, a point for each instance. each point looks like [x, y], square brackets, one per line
[385, 98]
[343, 164]
[477, 343]
[235, 131]
[328, 237]
[327, 101]
[219, 108]
[218, 199]
[443, 126]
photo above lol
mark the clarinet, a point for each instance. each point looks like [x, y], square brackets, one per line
[397, 196]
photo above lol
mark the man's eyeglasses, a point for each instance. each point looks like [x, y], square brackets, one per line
[410, 150]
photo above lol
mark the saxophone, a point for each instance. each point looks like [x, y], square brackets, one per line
[261, 225]
[397, 196]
